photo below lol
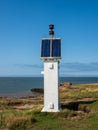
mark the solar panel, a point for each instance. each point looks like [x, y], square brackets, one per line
[45, 48]
[51, 48]
[56, 48]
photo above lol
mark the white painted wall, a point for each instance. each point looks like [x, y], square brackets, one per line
[51, 94]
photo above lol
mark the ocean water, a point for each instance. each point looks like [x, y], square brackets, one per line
[9, 85]
[19, 84]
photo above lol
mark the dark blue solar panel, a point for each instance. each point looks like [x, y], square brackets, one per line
[45, 48]
[51, 48]
[56, 48]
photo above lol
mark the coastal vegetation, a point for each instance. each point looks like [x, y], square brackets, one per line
[79, 105]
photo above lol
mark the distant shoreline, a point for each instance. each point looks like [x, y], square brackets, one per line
[21, 86]
[34, 92]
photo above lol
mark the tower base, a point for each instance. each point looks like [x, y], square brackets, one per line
[50, 110]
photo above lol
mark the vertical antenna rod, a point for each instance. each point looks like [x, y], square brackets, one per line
[51, 32]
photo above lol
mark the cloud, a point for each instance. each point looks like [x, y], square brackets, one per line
[67, 69]
[37, 66]
[80, 67]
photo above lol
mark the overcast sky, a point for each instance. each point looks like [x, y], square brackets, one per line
[24, 22]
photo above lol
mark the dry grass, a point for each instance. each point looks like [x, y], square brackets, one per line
[13, 122]
[76, 92]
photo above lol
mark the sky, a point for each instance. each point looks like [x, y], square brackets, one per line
[24, 22]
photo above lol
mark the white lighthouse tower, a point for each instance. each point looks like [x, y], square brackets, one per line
[51, 54]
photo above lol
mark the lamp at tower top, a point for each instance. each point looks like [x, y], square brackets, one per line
[51, 32]
[51, 26]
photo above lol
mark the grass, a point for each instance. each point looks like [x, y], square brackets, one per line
[80, 92]
[79, 111]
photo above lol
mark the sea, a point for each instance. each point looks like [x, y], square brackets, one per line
[21, 86]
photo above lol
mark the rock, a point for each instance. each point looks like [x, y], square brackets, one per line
[65, 84]
[37, 90]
